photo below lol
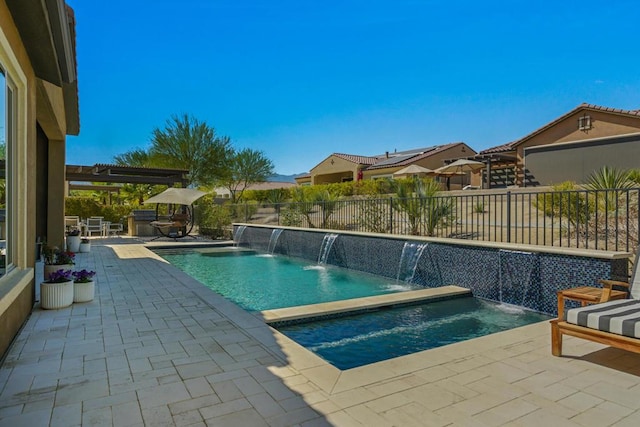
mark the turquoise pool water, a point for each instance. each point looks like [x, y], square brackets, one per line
[348, 342]
[259, 282]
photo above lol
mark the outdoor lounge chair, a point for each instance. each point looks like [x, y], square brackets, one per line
[615, 323]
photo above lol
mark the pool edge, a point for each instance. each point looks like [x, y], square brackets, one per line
[313, 311]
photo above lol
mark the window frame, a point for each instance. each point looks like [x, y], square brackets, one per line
[16, 176]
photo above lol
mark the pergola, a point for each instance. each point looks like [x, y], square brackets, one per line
[124, 175]
[491, 160]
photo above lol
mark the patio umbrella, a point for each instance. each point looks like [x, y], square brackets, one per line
[176, 196]
[414, 170]
[460, 165]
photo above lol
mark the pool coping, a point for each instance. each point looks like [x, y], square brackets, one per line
[312, 311]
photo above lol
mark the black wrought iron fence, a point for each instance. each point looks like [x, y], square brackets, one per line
[593, 219]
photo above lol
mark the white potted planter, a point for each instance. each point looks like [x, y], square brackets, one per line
[57, 291]
[50, 268]
[73, 243]
[85, 245]
[84, 292]
[83, 286]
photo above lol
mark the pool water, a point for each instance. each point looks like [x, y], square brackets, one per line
[259, 282]
[356, 340]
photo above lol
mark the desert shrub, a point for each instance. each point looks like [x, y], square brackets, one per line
[565, 201]
[291, 218]
[420, 202]
[86, 207]
[374, 187]
[373, 215]
[213, 220]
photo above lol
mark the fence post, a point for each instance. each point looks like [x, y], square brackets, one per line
[508, 216]
[390, 215]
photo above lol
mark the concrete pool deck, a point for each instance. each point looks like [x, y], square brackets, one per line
[157, 348]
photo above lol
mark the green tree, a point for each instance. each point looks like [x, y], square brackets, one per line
[245, 167]
[187, 143]
[135, 158]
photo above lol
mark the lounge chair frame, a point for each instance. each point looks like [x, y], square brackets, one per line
[561, 327]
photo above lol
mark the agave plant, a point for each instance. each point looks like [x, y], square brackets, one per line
[605, 182]
[609, 179]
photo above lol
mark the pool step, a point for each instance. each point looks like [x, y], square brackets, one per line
[327, 309]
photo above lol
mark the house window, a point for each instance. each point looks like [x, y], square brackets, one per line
[584, 122]
[6, 138]
[8, 193]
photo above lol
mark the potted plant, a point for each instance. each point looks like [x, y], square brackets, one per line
[85, 244]
[83, 285]
[73, 240]
[55, 259]
[57, 291]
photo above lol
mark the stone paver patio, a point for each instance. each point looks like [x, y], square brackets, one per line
[158, 348]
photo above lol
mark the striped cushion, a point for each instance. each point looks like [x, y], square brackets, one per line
[620, 317]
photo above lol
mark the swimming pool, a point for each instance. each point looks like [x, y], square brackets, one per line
[357, 340]
[259, 281]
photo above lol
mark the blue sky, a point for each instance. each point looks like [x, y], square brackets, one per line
[301, 79]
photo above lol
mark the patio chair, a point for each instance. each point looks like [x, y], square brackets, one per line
[71, 221]
[93, 225]
[113, 229]
[612, 322]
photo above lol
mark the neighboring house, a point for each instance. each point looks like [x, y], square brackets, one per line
[349, 167]
[224, 193]
[303, 179]
[569, 148]
[40, 108]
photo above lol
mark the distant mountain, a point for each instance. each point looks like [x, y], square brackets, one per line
[285, 178]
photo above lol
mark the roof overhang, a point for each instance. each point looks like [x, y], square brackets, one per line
[47, 30]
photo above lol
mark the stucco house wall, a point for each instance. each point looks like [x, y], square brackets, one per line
[37, 104]
[334, 169]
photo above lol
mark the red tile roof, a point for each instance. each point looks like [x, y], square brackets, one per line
[509, 146]
[360, 160]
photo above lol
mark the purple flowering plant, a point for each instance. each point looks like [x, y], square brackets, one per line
[59, 276]
[83, 276]
[54, 256]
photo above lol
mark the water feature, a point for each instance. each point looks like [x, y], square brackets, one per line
[411, 253]
[273, 240]
[518, 271]
[325, 248]
[238, 235]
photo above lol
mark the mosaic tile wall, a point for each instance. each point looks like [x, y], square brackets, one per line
[521, 278]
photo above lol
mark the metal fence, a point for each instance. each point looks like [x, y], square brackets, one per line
[593, 219]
